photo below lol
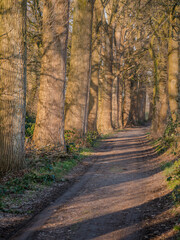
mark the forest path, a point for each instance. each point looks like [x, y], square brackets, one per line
[109, 201]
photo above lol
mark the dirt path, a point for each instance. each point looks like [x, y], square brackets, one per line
[113, 200]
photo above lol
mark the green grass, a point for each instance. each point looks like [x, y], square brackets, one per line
[172, 172]
[41, 172]
[43, 168]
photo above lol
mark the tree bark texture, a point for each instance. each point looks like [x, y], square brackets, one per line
[105, 87]
[77, 95]
[49, 128]
[96, 61]
[12, 84]
[173, 64]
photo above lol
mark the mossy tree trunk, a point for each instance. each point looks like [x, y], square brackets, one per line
[160, 97]
[12, 84]
[77, 95]
[173, 62]
[49, 128]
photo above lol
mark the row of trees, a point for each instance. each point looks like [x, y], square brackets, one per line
[94, 65]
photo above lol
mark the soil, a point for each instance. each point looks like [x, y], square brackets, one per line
[123, 196]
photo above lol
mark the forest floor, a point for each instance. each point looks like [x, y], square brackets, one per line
[122, 196]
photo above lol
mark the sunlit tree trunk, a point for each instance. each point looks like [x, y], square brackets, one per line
[160, 98]
[77, 95]
[105, 87]
[163, 90]
[117, 77]
[123, 92]
[34, 52]
[96, 59]
[115, 102]
[49, 128]
[12, 83]
[155, 87]
[173, 63]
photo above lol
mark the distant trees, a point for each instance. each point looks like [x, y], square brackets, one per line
[12, 84]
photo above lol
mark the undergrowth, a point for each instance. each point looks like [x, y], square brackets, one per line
[172, 172]
[168, 144]
[43, 167]
[169, 139]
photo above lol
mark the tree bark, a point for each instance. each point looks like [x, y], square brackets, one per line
[141, 102]
[173, 64]
[96, 61]
[77, 95]
[126, 102]
[12, 84]
[105, 87]
[133, 116]
[49, 128]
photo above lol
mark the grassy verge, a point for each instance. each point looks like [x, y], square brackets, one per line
[172, 173]
[168, 144]
[44, 168]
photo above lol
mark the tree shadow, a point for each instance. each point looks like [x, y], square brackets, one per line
[116, 221]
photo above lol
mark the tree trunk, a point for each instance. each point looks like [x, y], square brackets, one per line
[49, 128]
[126, 102]
[105, 87]
[133, 117]
[173, 65]
[120, 44]
[115, 102]
[34, 42]
[12, 84]
[96, 58]
[141, 102]
[77, 95]
[155, 88]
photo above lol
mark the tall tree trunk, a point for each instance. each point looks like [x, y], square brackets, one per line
[173, 63]
[160, 99]
[115, 102]
[34, 48]
[155, 87]
[96, 59]
[77, 95]
[121, 98]
[105, 87]
[12, 84]
[126, 102]
[163, 90]
[141, 102]
[133, 116]
[49, 128]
